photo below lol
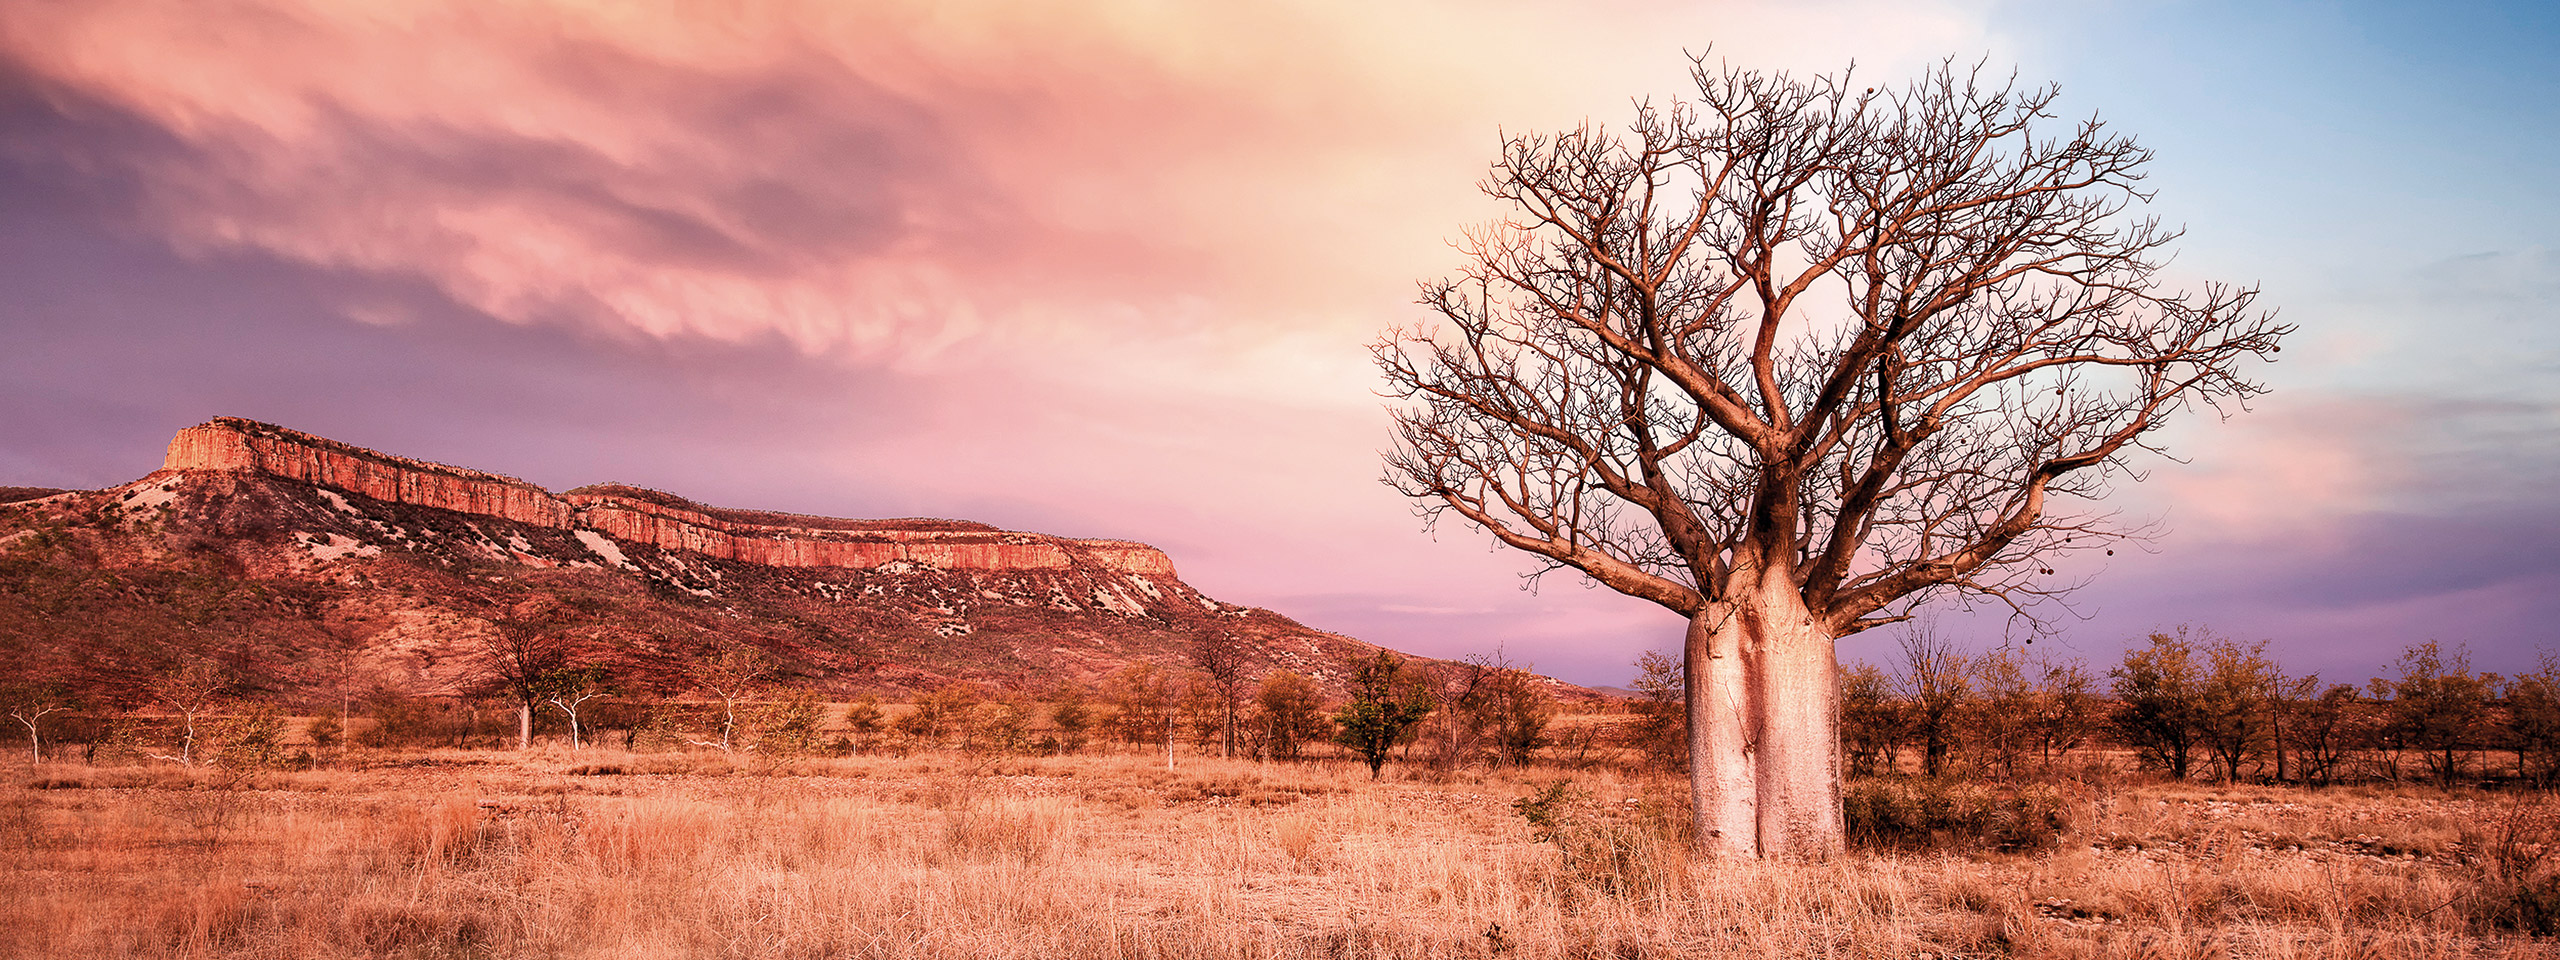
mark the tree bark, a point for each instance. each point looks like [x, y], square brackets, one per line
[1764, 772]
[1722, 794]
[1798, 760]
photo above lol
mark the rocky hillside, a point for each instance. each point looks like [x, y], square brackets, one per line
[310, 568]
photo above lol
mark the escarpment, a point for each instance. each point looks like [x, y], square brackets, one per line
[311, 567]
[230, 443]
[635, 515]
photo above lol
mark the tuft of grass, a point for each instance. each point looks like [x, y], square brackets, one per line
[2514, 862]
[1022, 830]
[1296, 837]
[1608, 848]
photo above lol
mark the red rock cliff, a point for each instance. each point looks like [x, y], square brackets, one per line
[230, 443]
[637, 515]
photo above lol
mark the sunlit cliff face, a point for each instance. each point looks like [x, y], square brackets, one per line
[640, 516]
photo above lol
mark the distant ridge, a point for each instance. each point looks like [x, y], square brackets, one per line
[311, 565]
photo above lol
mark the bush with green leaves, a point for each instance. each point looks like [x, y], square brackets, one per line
[1387, 700]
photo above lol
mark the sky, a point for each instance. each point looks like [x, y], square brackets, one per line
[1111, 269]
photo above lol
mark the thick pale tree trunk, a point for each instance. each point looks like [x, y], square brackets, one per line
[1798, 760]
[1722, 795]
[1764, 745]
[524, 726]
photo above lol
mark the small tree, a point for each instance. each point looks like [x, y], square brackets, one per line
[2378, 733]
[1455, 735]
[940, 713]
[568, 691]
[1935, 679]
[1071, 715]
[2232, 718]
[788, 726]
[1288, 714]
[1141, 702]
[1512, 707]
[2319, 730]
[194, 688]
[29, 704]
[2000, 720]
[2067, 710]
[1224, 659]
[2156, 689]
[2533, 722]
[1489, 708]
[521, 651]
[1871, 720]
[2440, 707]
[731, 677]
[2290, 703]
[1661, 730]
[997, 724]
[1386, 703]
[249, 737]
[862, 719]
[1196, 710]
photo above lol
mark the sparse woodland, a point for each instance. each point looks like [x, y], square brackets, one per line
[2001, 804]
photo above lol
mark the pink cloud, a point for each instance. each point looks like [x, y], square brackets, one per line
[876, 179]
[2282, 471]
[881, 178]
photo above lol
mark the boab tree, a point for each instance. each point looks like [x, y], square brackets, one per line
[526, 645]
[1795, 357]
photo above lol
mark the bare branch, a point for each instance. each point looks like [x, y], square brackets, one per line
[1886, 341]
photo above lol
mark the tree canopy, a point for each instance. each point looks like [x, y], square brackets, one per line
[1796, 356]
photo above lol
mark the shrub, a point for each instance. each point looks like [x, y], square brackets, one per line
[1938, 814]
[1615, 851]
[2515, 875]
[1661, 731]
[788, 727]
[401, 720]
[323, 732]
[253, 737]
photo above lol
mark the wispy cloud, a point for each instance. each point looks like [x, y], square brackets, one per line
[880, 179]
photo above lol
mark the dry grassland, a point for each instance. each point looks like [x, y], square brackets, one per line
[605, 854]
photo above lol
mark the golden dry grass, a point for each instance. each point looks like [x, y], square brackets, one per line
[605, 854]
